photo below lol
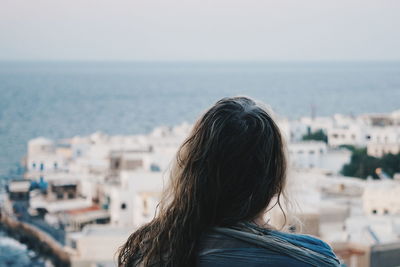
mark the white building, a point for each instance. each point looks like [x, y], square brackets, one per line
[307, 154]
[318, 123]
[293, 130]
[373, 229]
[44, 156]
[382, 197]
[335, 159]
[97, 245]
[316, 154]
[145, 206]
[354, 134]
[134, 201]
[383, 140]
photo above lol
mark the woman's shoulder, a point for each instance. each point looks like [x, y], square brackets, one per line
[309, 243]
[302, 238]
[306, 241]
[253, 243]
[219, 250]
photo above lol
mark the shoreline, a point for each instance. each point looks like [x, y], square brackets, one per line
[36, 240]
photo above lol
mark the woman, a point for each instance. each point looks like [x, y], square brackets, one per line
[228, 174]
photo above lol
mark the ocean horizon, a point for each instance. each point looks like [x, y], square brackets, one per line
[61, 99]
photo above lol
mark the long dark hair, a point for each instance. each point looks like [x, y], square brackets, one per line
[227, 171]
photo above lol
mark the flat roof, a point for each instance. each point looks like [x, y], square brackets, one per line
[19, 186]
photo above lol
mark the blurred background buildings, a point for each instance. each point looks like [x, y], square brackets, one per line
[93, 191]
[86, 87]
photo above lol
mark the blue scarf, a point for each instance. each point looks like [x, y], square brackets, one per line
[304, 248]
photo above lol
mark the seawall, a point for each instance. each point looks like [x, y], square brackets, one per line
[36, 239]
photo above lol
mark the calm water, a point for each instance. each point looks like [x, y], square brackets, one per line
[58, 100]
[65, 99]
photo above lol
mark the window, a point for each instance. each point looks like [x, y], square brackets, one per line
[116, 164]
[41, 166]
[55, 165]
[155, 168]
[145, 204]
[123, 206]
[33, 165]
[385, 211]
[145, 208]
[374, 211]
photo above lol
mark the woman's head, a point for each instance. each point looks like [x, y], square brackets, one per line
[227, 171]
[232, 164]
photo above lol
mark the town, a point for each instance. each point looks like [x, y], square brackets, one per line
[89, 193]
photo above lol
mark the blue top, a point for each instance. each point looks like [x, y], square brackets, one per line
[227, 247]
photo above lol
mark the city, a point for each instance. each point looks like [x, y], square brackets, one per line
[87, 194]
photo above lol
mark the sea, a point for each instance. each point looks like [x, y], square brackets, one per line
[65, 99]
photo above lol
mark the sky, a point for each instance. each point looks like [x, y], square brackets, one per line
[209, 30]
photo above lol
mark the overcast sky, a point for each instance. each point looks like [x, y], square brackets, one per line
[199, 30]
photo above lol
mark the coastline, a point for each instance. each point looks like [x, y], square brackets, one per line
[35, 239]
